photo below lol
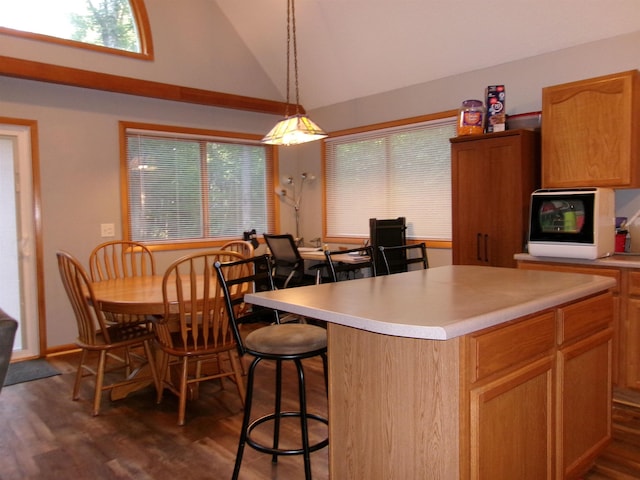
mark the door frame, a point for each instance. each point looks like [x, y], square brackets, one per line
[33, 328]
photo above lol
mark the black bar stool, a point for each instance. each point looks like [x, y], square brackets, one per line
[278, 342]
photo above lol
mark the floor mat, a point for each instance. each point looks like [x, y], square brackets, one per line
[28, 370]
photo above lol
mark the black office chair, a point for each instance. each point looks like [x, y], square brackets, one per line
[288, 265]
[363, 258]
[275, 341]
[404, 257]
[390, 232]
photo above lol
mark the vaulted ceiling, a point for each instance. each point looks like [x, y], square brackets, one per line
[353, 48]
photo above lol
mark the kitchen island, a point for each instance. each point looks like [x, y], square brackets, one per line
[463, 372]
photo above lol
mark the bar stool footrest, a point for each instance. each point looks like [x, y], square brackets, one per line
[280, 451]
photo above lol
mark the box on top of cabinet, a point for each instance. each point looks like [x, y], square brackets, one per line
[496, 114]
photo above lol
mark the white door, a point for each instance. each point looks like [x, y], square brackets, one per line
[18, 295]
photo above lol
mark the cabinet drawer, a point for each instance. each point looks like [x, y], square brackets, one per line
[585, 317]
[500, 349]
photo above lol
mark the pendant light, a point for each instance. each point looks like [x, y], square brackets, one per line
[296, 128]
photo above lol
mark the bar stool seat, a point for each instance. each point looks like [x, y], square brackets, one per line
[286, 339]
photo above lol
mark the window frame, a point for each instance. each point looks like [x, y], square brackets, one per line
[143, 28]
[273, 210]
[368, 129]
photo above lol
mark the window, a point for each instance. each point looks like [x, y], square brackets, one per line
[193, 186]
[112, 25]
[399, 171]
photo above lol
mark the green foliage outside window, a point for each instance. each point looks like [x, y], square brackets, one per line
[108, 23]
[189, 189]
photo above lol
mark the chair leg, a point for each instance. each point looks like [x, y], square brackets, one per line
[76, 385]
[97, 396]
[163, 371]
[246, 418]
[303, 421]
[152, 365]
[182, 401]
[277, 410]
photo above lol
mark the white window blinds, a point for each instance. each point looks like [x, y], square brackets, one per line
[396, 172]
[182, 187]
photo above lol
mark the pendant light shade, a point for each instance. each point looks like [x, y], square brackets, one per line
[297, 128]
[294, 130]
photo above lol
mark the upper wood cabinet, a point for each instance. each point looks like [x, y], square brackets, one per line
[590, 132]
[492, 177]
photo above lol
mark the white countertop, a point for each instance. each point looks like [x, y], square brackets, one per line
[617, 260]
[438, 303]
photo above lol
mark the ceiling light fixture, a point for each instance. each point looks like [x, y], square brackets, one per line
[296, 128]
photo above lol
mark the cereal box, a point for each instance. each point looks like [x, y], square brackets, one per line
[496, 118]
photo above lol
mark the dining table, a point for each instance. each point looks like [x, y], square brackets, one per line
[140, 295]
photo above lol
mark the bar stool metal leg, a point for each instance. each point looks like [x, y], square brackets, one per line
[246, 418]
[304, 428]
[277, 411]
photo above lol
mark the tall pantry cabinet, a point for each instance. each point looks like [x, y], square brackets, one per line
[492, 176]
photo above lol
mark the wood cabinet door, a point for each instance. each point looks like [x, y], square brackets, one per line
[589, 132]
[471, 173]
[584, 403]
[512, 425]
[492, 179]
[506, 215]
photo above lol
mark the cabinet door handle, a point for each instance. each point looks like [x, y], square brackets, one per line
[486, 247]
[478, 240]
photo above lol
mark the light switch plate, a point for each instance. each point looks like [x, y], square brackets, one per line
[107, 230]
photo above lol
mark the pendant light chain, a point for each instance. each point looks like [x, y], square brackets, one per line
[295, 53]
[288, 55]
[291, 36]
[297, 128]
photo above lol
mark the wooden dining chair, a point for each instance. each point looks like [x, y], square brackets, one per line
[119, 259]
[241, 246]
[119, 342]
[193, 333]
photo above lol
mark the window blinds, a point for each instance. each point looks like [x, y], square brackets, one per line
[397, 172]
[182, 188]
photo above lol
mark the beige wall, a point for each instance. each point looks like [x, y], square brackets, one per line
[78, 128]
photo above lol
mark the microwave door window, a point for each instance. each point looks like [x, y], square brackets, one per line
[562, 216]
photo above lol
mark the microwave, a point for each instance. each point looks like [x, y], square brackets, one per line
[572, 223]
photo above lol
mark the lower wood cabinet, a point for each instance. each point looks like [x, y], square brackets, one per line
[626, 315]
[529, 399]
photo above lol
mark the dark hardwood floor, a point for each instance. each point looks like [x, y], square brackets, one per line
[46, 435]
